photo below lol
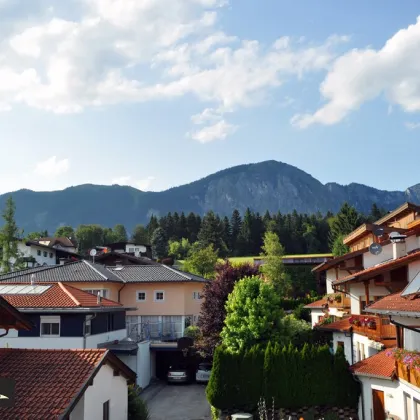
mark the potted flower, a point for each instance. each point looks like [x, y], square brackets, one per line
[371, 324]
[337, 298]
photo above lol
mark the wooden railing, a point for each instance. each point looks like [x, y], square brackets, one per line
[344, 302]
[373, 327]
[409, 375]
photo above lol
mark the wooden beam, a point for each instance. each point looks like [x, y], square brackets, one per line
[366, 283]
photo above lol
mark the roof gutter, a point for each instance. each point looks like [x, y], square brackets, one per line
[394, 313]
[407, 327]
[77, 310]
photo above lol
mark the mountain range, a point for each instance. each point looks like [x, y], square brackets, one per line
[269, 185]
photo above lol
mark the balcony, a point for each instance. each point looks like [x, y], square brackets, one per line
[408, 374]
[156, 332]
[338, 301]
[373, 327]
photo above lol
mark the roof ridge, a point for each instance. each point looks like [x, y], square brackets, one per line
[177, 271]
[88, 263]
[69, 294]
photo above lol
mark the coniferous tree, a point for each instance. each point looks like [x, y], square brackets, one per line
[236, 225]
[344, 222]
[245, 245]
[120, 233]
[151, 227]
[193, 227]
[211, 233]
[227, 233]
[159, 244]
[11, 258]
[140, 235]
[182, 227]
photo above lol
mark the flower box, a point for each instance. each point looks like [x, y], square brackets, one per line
[415, 377]
[403, 371]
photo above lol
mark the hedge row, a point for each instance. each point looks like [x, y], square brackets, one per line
[294, 378]
[290, 304]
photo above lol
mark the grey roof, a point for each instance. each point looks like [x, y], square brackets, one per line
[77, 271]
[154, 273]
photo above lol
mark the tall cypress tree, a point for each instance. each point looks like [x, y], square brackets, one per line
[9, 234]
[245, 236]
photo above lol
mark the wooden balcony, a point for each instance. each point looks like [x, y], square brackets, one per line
[339, 301]
[407, 374]
[373, 327]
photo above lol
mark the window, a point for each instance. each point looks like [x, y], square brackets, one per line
[340, 344]
[51, 255]
[38, 252]
[105, 410]
[45, 254]
[407, 407]
[130, 249]
[88, 326]
[159, 295]
[50, 326]
[196, 296]
[141, 296]
[102, 292]
[416, 408]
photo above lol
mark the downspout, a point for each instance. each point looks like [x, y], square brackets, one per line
[361, 396]
[84, 328]
[119, 291]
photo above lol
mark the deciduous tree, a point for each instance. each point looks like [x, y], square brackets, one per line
[120, 233]
[140, 235]
[64, 231]
[202, 261]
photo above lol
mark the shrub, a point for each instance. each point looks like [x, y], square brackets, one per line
[137, 408]
[193, 332]
[301, 313]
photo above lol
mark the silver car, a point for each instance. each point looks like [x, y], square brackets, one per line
[178, 374]
[203, 372]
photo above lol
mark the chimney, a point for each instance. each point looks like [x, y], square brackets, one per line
[398, 250]
[32, 279]
[98, 298]
[63, 261]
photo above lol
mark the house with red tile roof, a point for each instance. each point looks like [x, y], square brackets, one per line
[65, 384]
[381, 278]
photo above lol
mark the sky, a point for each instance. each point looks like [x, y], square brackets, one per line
[159, 93]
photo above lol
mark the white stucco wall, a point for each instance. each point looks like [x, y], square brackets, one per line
[412, 242]
[79, 411]
[315, 314]
[92, 341]
[106, 387]
[144, 364]
[369, 260]
[32, 251]
[357, 290]
[339, 336]
[369, 347]
[393, 396]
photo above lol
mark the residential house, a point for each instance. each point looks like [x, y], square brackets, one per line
[60, 384]
[361, 277]
[62, 243]
[166, 301]
[66, 384]
[129, 247]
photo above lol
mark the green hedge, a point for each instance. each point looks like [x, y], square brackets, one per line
[294, 378]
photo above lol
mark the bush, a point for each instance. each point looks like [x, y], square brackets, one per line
[291, 304]
[301, 313]
[286, 374]
[137, 408]
[193, 332]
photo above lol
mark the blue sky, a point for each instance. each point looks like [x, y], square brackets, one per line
[157, 93]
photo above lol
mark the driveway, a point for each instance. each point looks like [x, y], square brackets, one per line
[177, 402]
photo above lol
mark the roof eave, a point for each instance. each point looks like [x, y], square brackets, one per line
[78, 309]
[408, 314]
[370, 375]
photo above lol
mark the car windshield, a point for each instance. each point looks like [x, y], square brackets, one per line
[204, 366]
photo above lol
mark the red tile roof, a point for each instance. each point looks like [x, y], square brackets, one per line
[386, 266]
[379, 366]
[319, 304]
[10, 317]
[341, 325]
[58, 295]
[395, 303]
[49, 382]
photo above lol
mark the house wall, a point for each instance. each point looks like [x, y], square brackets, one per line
[110, 286]
[332, 275]
[79, 411]
[92, 341]
[144, 364]
[412, 243]
[340, 336]
[193, 306]
[368, 346]
[413, 270]
[42, 342]
[315, 315]
[369, 260]
[32, 251]
[393, 396]
[357, 291]
[106, 387]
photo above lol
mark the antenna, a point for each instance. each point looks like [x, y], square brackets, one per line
[375, 249]
[92, 254]
[32, 279]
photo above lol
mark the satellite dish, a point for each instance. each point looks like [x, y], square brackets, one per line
[375, 249]
[378, 231]
[93, 252]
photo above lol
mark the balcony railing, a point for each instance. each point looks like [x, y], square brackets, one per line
[156, 331]
[408, 374]
[339, 301]
[373, 327]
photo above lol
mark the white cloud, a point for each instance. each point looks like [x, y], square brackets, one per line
[141, 184]
[364, 74]
[217, 131]
[52, 167]
[144, 184]
[64, 65]
[411, 125]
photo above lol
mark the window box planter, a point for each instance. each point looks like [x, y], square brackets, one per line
[414, 377]
[403, 371]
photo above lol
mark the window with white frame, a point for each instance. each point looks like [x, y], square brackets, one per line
[38, 252]
[102, 292]
[50, 326]
[45, 254]
[159, 296]
[130, 249]
[196, 296]
[141, 296]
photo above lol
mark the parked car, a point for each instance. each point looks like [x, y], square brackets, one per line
[203, 372]
[178, 374]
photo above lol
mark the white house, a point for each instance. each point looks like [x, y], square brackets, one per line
[66, 384]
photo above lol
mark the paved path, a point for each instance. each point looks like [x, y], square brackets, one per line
[177, 402]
